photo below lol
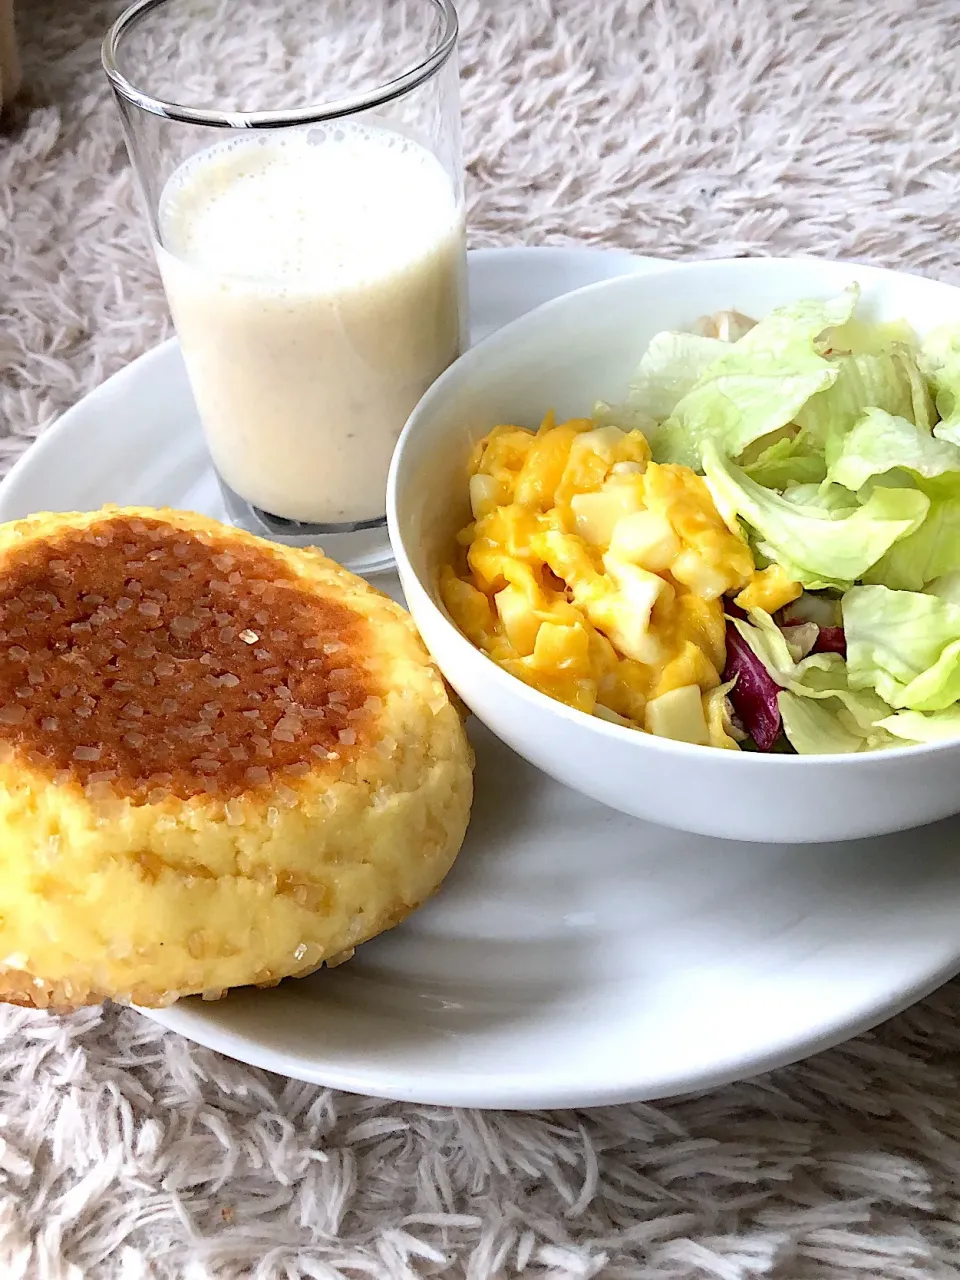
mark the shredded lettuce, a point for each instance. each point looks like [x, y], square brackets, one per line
[833, 443]
[905, 645]
[794, 460]
[757, 386]
[812, 728]
[864, 337]
[882, 442]
[864, 381]
[671, 367]
[893, 452]
[820, 711]
[627, 417]
[832, 499]
[914, 726]
[939, 361]
[946, 587]
[822, 546]
[932, 551]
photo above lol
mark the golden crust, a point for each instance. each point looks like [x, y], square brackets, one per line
[222, 761]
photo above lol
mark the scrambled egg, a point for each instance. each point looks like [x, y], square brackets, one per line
[597, 576]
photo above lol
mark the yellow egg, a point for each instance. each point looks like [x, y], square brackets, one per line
[769, 589]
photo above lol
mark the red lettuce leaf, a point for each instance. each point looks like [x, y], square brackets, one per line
[733, 610]
[831, 640]
[754, 696]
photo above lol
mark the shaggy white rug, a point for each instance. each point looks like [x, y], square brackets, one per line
[672, 127]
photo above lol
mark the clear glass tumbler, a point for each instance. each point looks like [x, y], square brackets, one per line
[301, 171]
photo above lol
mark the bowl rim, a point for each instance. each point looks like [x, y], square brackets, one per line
[513, 685]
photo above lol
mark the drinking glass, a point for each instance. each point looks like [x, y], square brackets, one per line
[300, 168]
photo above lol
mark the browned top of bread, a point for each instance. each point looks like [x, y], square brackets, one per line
[163, 660]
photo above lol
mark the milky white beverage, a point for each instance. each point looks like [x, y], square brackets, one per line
[316, 284]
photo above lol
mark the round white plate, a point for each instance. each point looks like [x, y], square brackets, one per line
[574, 956]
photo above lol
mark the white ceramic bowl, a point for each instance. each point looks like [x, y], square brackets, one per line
[566, 355]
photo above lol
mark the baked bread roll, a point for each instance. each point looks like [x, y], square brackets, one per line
[222, 761]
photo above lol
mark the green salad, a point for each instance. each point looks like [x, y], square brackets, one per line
[834, 444]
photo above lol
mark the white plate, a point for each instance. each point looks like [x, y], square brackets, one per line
[574, 956]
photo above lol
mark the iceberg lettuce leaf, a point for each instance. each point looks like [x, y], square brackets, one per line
[866, 381]
[881, 442]
[915, 726]
[758, 385]
[939, 361]
[887, 450]
[832, 547]
[905, 645]
[794, 461]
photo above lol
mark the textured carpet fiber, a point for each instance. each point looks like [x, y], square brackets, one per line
[677, 127]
